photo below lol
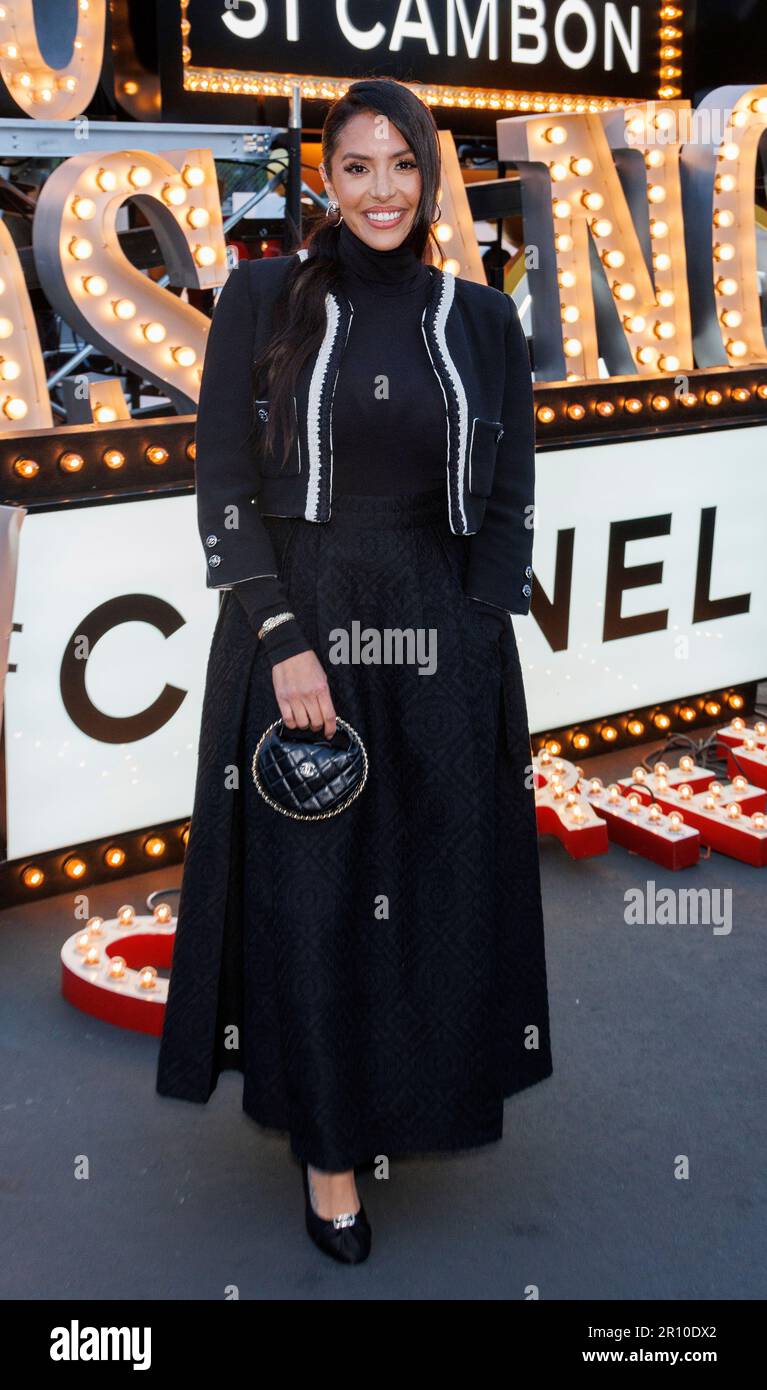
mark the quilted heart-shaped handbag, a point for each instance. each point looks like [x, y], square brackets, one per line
[307, 776]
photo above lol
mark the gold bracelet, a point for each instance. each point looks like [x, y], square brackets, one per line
[273, 622]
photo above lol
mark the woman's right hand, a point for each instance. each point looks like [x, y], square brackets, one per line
[303, 694]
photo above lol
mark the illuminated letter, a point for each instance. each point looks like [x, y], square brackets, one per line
[41, 91]
[92, 284]
[24, 402]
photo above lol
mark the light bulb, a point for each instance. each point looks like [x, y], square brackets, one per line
[139, 176]
[123, 308]
[174, 194]
[106, 180]
[601, 226]
[104, 414]
[9, 370]
[193, 175]
[725, 183]
[6, 328]
[204, 255]
[80, 248]
[556, 135]
[592, 201]
[15, 408]
[84, 208]
[154, 332]
[200, 217]
[94, 284]
[185, 356]
[664, 120]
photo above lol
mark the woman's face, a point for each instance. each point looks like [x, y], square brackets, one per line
[374, 180]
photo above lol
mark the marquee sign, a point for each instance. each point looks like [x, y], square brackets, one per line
[465, 52]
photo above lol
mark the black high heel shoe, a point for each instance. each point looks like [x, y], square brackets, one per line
[345, 1238]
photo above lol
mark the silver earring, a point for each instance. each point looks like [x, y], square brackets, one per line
[334, 208]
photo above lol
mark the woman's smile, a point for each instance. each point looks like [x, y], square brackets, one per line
[384, 217]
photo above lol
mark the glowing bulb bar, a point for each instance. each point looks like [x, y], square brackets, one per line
[632, 406]
[98, 459]
[630, 728]
[99, 862]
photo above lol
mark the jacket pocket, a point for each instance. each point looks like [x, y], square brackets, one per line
[486, 436]
[269, 462]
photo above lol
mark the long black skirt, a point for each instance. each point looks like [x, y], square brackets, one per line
[379, 977]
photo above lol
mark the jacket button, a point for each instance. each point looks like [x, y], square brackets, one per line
[263, 414]
[498, 436]
[526, 590]
[528, 571]
[211, 540]
[214, 560]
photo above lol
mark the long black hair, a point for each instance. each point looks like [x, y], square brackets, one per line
[300, 308]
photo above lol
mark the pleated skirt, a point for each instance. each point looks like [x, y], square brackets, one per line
[378, 977]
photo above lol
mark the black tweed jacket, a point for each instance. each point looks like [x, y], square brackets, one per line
[479, 353]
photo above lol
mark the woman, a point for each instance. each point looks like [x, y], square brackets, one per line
[365, 458]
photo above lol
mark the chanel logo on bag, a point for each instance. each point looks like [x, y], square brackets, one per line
[307, 769]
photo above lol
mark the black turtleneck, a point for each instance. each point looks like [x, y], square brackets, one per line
[388, 409]
[389, 430]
